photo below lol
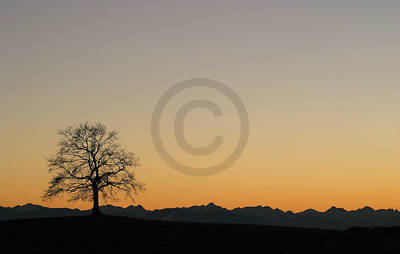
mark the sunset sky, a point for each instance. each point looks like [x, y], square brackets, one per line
[320, 81]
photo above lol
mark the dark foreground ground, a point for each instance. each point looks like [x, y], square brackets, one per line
[125, 235]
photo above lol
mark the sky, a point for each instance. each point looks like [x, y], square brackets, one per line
[319, 80]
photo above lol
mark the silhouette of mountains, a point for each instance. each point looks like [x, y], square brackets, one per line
[333, 218]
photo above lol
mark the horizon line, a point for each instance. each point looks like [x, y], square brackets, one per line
[210, 204]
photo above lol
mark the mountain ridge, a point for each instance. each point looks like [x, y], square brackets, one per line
[333, 218]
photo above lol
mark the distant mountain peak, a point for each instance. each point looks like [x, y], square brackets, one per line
[367, 208]
[136, 207]
[334, 209]
[211, 204]
[310, 212]
[29, 205]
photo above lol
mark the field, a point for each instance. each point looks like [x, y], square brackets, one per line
[108, 234]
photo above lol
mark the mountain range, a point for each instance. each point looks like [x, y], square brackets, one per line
[333, 218]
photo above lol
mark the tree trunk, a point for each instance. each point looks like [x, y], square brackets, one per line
[96, 209]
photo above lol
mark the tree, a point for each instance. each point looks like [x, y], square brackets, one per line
[89, 161]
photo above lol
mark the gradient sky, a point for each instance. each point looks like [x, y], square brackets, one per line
[319, 79]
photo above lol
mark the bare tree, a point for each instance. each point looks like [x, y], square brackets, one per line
[89, 161]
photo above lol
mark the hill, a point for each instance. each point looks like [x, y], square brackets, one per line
[333, 218]
[109, 234]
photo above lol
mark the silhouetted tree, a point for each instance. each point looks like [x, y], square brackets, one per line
[89, 161]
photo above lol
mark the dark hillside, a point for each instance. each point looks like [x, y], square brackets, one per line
[107, 234]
